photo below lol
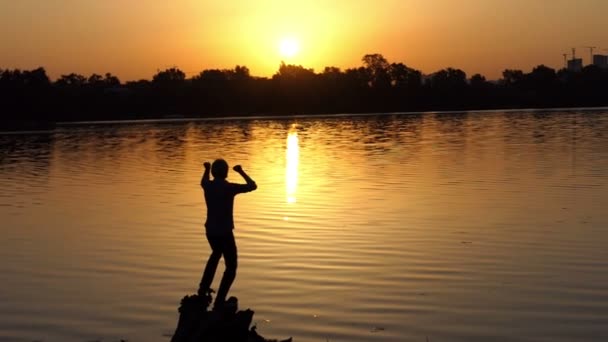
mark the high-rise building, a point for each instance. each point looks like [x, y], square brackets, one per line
[600, 61]
[575, 64]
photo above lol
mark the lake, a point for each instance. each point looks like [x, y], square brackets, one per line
[476, 226]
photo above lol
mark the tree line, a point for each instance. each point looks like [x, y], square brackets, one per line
[376, 86]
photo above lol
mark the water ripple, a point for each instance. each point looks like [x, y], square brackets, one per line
[448, 226]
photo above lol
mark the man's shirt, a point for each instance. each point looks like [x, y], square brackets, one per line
[219, 196]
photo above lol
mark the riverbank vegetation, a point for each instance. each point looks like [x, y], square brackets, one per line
[376, 86]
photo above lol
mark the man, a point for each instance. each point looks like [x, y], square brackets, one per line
[219, 197]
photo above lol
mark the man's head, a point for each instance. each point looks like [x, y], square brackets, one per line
[219, 169]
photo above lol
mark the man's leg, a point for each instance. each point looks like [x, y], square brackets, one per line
[230, 259]
[214, 259]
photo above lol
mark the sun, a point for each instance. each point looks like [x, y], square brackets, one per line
[289, 47]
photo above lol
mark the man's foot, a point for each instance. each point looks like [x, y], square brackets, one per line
[232, 304]
[226, 306]
[205, 296]
[218, 305]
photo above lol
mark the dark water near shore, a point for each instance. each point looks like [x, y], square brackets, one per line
[456, 227]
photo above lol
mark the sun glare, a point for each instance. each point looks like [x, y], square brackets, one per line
[293, 160]
[289, 47]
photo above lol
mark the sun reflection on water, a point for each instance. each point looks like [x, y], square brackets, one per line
[293, 160]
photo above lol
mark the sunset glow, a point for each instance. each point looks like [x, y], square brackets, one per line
[133, 39]
[289, 47]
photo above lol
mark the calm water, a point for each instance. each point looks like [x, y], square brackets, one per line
[456, 227]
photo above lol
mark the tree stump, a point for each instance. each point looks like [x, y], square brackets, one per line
[198, 324]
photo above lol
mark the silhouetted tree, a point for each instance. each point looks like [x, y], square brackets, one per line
[448, 79]
[512, 77]
[71, 80]
[10, 77]
[404, 77]
[357, 77]
[541, 77]
[478, 81]
[95, 80]
[332, 79]
[111, 80]
[36, 78]
[294, 72]
[212, 75]
[241, 73]
[375, 86]
[378, 70]
[331, 70]
[593, 76]
[169, 76]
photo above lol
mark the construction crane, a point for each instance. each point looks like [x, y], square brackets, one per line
[565, 60]
[590, 53]
[573, 53]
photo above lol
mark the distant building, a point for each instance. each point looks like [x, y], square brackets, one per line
[600, 61]
[575, 64]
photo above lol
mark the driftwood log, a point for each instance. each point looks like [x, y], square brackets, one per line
[198, 324]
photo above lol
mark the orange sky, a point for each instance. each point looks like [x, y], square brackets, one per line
[134, 38]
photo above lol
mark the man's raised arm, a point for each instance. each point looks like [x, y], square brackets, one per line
[205, 180]
[250, 186]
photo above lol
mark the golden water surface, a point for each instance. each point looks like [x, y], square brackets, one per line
[485, 226]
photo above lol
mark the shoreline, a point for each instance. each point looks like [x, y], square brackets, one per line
[31, 126]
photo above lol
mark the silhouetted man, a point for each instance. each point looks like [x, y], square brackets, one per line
[219, 196]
